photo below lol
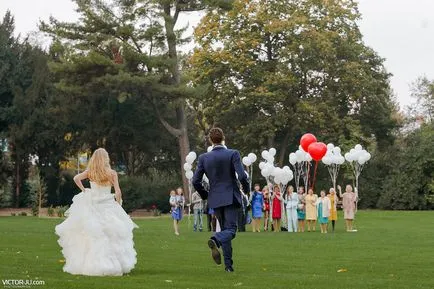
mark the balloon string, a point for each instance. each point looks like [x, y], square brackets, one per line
[314, 175]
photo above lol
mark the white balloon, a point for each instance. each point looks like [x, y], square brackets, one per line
[246, 161]
[269, 166]
[272, 152]
[368, 156]
[264, 173]
[265, 154]
[330, 146]
[326, 160]
[352, 151]
[341, 160]
[187, 167]
[308, 158]
[300, 155]
[268, 169]
[189, 159]
[189, 175]
[357, 154]
[286, 169]
[252, 157]
[358, 147]
[300, 148]
[270, 159]
[209, 148]
[337, 150]
[361, 161]
[193, 154]
[261, 165]
[276, 172]
[292, 158]
[348, 157]
[276, 180]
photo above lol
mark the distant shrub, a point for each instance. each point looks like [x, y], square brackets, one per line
[50, 211]
[23, 214]
[61, 211]
[147, 191]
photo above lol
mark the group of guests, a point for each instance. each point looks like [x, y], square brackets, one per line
[300, 208]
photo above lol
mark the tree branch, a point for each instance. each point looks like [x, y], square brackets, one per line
[173, 131]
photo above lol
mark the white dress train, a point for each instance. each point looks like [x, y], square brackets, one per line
[97, 235]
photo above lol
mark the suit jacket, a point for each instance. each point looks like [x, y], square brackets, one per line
[220, 166]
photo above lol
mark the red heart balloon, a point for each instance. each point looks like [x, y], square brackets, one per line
[306, 140]
[317, 150]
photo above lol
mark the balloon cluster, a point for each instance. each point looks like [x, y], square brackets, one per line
[249, 159]
[299, 156]
[333, 156]
[279, 176]
[188, 166]
[358, 154]
[333, 160]
[267, 166]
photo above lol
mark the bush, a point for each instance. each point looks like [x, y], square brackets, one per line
[61, 211]
[152, 190]
[23, 214]
[13, 214]
[35, 210]
[50, 211]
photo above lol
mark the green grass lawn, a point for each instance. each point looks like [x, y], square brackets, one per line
[390, 250]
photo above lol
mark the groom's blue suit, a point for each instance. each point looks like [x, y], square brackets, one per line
[224, 196]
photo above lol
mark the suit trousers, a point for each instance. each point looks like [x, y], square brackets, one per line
[228, 219]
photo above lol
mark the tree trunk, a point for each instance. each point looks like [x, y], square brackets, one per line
[182, 132]
[17, 188]
[284, 147]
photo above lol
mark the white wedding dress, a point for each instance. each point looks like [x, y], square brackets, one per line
[97, 235]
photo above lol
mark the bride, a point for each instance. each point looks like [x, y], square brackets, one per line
[97, 235]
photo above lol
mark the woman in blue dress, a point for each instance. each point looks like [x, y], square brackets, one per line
[257, 202]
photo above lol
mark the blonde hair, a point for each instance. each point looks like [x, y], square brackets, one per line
[98, 169]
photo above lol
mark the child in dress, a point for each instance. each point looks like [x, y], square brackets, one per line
[177, 203]
[266, 193]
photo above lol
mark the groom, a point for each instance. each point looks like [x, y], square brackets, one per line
[224, 196]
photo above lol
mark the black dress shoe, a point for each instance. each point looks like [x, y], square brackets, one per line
[229, 269]
[215, 253]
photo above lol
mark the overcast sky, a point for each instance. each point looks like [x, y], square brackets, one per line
[401, 31]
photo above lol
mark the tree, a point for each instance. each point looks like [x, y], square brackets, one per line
[409, 184]
[276, 69]
[127, 50]
[423, 92]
